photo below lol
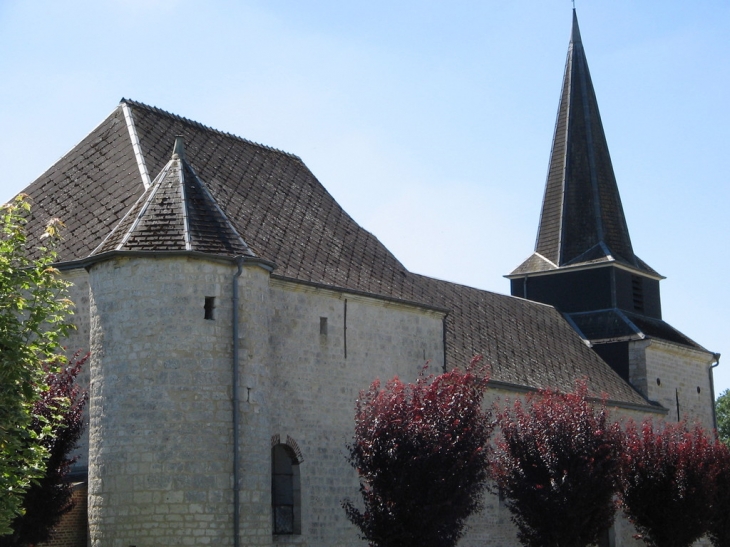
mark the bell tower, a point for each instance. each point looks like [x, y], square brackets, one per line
[584, 263]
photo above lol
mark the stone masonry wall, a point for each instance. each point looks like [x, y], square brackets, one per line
[161, 423]
[160, 411]
[674, 375]
[326, 347]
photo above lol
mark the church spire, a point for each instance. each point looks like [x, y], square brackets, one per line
[582, 220]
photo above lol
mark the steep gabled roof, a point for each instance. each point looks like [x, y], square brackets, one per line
[243, 198]
[582, 219]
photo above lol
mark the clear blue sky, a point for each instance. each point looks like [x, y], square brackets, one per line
[430, 122]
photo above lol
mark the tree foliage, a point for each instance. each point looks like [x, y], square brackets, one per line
[555, 465]
[421, 451]
[719, 526]
[33, 318]
[48, 499]
[722, 412]
[668, 482]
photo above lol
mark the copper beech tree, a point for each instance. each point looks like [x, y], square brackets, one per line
[555, 466]
[421, 451]
[668, 482]
[719, 527]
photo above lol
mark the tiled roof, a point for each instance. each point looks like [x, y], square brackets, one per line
[176, 213]
[582, 219]
[89, 189]
[615, 324]
[526, 343]
[233, 190]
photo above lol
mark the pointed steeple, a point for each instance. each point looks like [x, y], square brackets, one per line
[582, 220]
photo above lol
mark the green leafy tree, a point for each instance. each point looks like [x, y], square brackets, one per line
[34, 313]
[48, 499]
[722, 411]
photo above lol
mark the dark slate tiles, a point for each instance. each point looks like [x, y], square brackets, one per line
[283, 214]
[89, 189]
[604, 324]
[161, 223]
[619, 324]
[656, 328]
[526, 343]
[209, 231]
[177, 213]
[581, 205]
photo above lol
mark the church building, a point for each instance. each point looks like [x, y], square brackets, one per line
[234, 311]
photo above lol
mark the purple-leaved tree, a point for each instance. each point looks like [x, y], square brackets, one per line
[668, 482]
[555, 466]
[421, 451]
[719, 527]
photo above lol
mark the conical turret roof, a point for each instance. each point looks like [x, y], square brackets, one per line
[582, 219]
[176, 213]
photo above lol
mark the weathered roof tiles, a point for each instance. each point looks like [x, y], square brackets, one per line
[283, 215]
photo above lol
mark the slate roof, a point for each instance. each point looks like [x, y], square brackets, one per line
[582, 220]
[526, 343]
[614, 324]
[239, 197]
[176, 213]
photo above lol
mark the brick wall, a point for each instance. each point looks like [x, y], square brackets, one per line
[72, 531]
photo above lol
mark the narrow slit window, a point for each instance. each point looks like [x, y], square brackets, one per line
[209, 307]
[323, 326]
[637, 289]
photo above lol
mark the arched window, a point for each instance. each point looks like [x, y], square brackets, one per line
[285, 490]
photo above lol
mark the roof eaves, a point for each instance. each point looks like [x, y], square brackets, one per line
[367, 294]
[107, 255]
[648, 407]
[590, 266]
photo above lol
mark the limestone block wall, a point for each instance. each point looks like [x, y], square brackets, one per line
[255, 368]
[78, 340]
[160, 403]
[675, 376]
[325, 348]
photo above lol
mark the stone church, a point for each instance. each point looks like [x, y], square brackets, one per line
[234, 310]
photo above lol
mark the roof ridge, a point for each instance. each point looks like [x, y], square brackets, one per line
[207, 127]
[185, 163]
[495, 293]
